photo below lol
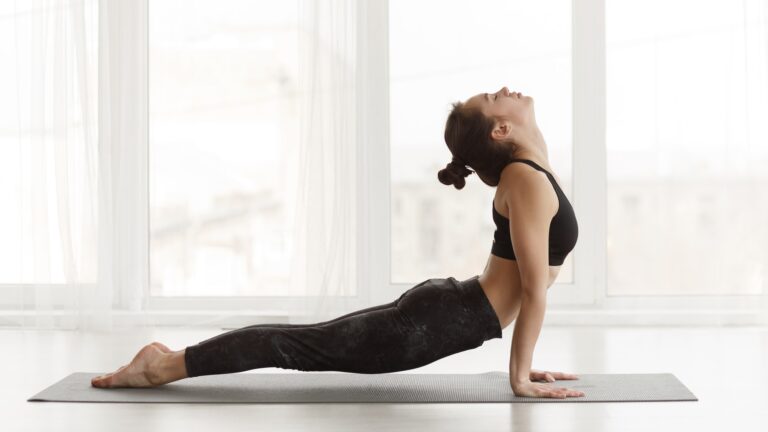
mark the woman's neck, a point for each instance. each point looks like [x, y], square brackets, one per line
[532, 146]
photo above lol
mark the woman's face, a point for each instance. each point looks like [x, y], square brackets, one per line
[504, 105]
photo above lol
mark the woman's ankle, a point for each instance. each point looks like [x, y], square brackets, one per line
[172, 367]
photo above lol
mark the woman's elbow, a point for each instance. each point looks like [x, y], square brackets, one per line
[534, 292]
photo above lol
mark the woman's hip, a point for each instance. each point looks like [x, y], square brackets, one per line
[456, 312]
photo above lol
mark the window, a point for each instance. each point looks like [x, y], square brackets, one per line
[686, 147]
[221, 96]
[687, 95]
[10, 153]
[47, 140]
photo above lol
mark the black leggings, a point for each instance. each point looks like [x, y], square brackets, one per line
[434, 319]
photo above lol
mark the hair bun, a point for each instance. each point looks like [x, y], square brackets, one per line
[454, 173]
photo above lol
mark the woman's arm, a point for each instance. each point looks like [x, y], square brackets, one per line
[531, 207]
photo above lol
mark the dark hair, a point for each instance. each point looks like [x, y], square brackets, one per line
[468, 136]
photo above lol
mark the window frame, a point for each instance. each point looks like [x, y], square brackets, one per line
[583, 302]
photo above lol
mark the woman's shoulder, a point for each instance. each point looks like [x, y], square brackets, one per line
[520, 181]
[521, 174]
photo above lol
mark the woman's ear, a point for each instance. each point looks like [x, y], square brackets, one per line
[501, 130]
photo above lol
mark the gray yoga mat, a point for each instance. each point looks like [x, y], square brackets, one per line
[324, 387]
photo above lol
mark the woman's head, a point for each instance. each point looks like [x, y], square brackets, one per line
[484, 133]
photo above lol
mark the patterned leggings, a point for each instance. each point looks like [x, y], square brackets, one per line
[434, 319]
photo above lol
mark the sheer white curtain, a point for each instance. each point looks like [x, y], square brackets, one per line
[82, 177]
[123, 175]
[324, 236]
[55, 63]
[81, 189]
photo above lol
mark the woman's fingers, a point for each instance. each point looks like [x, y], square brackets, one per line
[564, 376]
[532, 389]
[558, 392]
[552, 376]
[568, 393]
[571, 392]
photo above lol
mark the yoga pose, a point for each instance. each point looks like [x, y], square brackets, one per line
[535, 230]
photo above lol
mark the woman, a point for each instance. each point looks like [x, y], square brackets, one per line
[438, 317]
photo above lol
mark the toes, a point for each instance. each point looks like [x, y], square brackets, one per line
[110, 379]
[105, 380]
[100, 381]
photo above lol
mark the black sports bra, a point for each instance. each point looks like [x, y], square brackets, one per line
[563, 230]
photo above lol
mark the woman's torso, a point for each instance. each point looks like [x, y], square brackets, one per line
[501, 278]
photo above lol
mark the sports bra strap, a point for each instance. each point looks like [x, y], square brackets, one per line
[531, 163]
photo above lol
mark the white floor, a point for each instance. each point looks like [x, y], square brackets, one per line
[726, 368]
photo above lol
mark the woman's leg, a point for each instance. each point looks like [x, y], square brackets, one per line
[432, 320]
[370, 341]
[427, 322]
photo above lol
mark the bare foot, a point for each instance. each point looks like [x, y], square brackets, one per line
[143, 371]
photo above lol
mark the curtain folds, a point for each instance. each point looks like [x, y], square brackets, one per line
[56, 67]
[82, 100]
[325, 254]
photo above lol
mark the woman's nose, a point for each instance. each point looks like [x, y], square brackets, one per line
[505, 91]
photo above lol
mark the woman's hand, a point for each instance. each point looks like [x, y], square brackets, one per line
[532, 389]
[537, 375]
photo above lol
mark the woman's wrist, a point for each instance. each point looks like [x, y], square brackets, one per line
[518, 380]
[519, 374]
